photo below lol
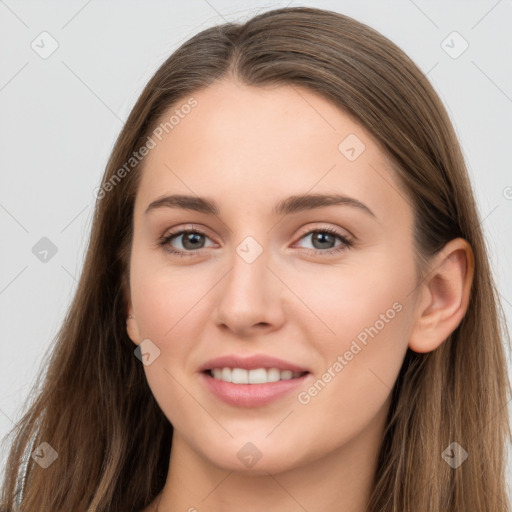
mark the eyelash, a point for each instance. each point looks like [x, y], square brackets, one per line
[347, 244]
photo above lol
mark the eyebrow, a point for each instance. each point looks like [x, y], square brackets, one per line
[292, 204]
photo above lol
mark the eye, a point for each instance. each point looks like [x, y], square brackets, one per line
[193, 240]
[324, 238]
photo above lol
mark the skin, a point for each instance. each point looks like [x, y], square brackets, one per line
[247, 148]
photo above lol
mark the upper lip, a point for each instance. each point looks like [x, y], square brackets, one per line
[250, 363]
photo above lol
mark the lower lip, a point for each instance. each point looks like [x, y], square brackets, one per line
[251, 395]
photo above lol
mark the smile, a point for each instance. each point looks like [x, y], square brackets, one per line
[255, 376]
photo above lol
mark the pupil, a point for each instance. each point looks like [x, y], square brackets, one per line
[192, 237]
[320, 237]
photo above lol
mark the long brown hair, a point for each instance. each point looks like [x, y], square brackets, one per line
[94, 406]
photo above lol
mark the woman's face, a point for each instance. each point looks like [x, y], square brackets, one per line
[277, 277]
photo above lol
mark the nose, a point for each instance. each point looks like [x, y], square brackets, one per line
[250, 298]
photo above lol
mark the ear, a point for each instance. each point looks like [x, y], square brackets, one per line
[444, 296]
[132, 327]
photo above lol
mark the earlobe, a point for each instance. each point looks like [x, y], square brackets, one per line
[445, 296]
[132, 328]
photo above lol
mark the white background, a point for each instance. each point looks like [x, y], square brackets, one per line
[61, 115]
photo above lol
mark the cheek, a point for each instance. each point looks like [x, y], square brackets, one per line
[370, 315]
[353, 300]
[161, 298]
[352, 390]
[164, 307]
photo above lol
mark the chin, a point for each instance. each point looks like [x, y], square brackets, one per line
[253, 458]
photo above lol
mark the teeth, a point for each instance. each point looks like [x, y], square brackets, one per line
[226, 374]
[257, 376]
[239, 376]
[273, 375]
[286, 375]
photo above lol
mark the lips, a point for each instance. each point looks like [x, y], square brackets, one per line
[251, 381]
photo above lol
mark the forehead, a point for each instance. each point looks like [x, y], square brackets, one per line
[242, 144]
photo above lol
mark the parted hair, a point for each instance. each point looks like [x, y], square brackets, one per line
[91, 401]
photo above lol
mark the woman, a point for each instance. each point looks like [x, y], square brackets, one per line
[211, 360]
